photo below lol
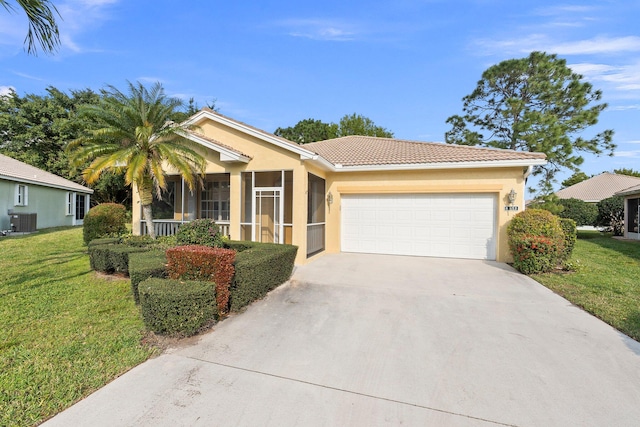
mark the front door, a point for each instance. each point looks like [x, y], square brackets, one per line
[268, 215]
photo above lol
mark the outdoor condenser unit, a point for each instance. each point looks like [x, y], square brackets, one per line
[23, 222]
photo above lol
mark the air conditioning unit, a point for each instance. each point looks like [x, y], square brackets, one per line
[23, 222]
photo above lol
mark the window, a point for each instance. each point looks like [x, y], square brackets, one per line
[215, 200]
[633, 214]
[69, 203]
[22, 195]
[80, 206]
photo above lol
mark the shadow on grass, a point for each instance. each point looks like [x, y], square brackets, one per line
[628, 248]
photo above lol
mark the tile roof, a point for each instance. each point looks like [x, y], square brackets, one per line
[598, 187]
[16, 170]
[370, 151]
[216, 142]
[631, 190]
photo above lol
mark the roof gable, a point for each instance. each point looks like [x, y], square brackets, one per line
[598, 187]
[15, 170]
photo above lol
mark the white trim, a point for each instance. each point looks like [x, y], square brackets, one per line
[272, 139]
[70, 204]
[46, 184]
[21, 199]
[441, 165]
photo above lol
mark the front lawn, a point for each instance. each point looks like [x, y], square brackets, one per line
[607, 283]
[64, 332]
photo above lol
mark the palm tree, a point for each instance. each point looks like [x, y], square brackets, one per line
[43, 28]
[134, 134]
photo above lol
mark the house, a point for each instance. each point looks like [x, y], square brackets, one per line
[599, 187]
[351, 194]
[631, 211]
[31, 198]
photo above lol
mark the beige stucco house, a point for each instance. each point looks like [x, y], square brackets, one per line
[351, 194]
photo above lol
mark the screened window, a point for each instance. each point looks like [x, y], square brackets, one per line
[315, 200]
[633, 214]
[215, 200]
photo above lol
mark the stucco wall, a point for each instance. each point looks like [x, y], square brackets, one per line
[48, 203]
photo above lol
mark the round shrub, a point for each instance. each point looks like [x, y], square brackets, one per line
[611, 215]
[581, 212]
[174, 307]
[536, 241]
[200, 232]
[104, 220]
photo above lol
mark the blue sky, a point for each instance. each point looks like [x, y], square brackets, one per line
[405, 64]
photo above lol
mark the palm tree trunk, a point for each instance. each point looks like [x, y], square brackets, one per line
[148, 218]
[145, 191]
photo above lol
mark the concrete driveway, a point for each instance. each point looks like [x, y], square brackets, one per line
[373, 340]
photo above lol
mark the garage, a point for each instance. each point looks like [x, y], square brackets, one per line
[435, 225]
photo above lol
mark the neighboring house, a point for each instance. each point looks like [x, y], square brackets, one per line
[599, 187]
[631, 211]
[351, 194]
[31, 198]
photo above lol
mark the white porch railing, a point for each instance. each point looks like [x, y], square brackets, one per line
[315, 238]
[169, 227]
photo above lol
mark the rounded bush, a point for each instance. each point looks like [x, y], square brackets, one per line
[200, 232]
[581, 212]
[174, 307]
[104, 220]
[611, 215]
[536, 240]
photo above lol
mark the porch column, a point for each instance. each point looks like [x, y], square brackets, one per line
[300, 184]
[135, 210]
[235, 200]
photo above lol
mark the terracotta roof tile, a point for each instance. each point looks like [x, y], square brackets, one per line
[598, 187]
[13, 169]
[369, 151]
[216, 142]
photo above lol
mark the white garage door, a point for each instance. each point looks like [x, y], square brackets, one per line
[438, 225]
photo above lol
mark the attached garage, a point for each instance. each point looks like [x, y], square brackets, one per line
[436, 225]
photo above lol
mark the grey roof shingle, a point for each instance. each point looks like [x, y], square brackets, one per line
[370, 151]
[15, 170]
[598, 187]
[628, 191]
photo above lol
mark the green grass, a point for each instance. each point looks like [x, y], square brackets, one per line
[607, 283]
[64, 332]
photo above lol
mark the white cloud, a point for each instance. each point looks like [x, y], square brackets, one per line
[627, 154]
[624, 108]
[6, 90]
[321, 29]
[544, 42]
[619, 77]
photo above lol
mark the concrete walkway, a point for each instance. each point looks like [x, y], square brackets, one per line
[373, 340]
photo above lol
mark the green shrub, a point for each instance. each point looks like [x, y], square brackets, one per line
[260, 268]
[533, 254]
[104, 220]
[104, 241]
[570, 235]
[112, 258]
[195, 262]
[203, 232]
[174, 307]
[144, 265]
[524, 230]
[611, 215]
[581, 212]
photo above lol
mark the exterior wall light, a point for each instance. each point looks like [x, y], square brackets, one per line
[329, 198]
[512, 196]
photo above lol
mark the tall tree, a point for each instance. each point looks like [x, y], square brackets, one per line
[357, 124]
[533, 104]
[575, 179]
[308, 130]
[136, 135]
[627, 171]
[43, 29]
[311, 130]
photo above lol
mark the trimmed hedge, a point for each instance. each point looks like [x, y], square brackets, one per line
[196, 262]
[144, 265]
[203, 232]
[112, 258]
[570, 235]
[260, 268]
[581, 212]
[104, 220]
[174, 307]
